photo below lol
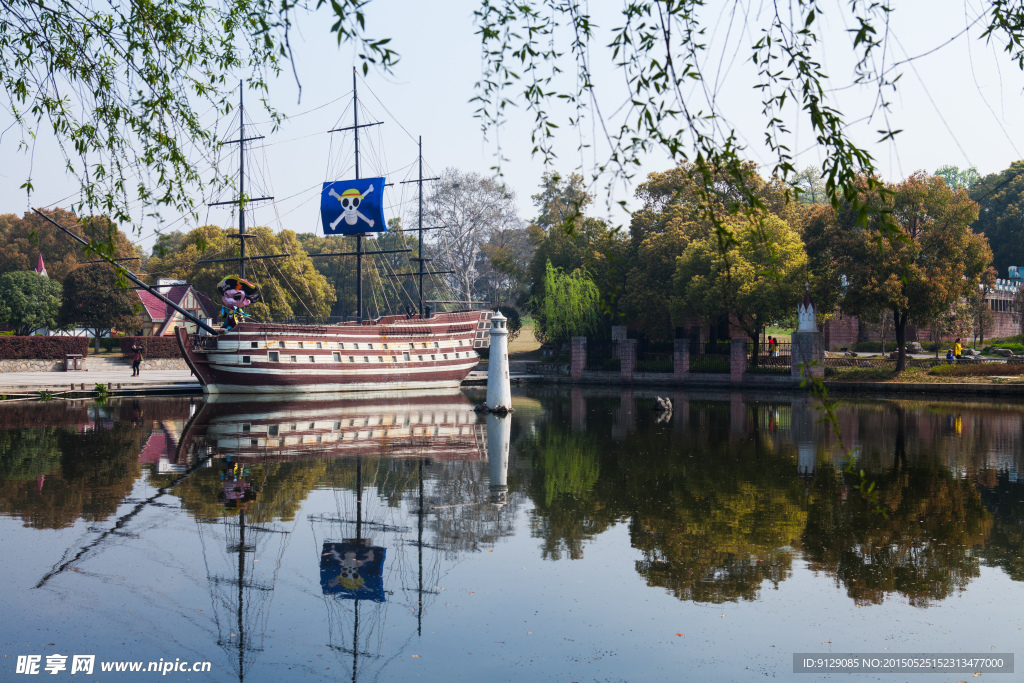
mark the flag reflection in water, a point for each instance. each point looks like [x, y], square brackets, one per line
[352, 571]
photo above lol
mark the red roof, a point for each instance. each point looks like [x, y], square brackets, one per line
[808, 301]
[161, 444]
[158, 311]
[212, 308]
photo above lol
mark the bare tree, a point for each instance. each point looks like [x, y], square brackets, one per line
[504, 263]
[469, 208]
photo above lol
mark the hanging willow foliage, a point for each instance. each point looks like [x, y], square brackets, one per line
[570, 307]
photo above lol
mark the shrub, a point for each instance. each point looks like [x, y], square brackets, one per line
[655, 365]
[1019, 339]
[977, 370]
[152, 347]
[107, 345]
[1016, 348]
[51, 348]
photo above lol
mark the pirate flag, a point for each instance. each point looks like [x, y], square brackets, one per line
[353, 206]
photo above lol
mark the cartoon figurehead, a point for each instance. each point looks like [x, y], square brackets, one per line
[350, 200]
[235, 294]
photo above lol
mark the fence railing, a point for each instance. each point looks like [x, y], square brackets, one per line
[710, 357]
[654, 356]
[769, 359]
[881, 363]
[600, 355]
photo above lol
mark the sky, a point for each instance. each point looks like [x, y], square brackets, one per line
[957, 103]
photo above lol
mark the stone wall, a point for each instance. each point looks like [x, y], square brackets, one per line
[31, 365]
[163, 364]
[841, 331]
[547, 369]
[93, 363]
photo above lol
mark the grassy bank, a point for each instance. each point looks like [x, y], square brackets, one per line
[986, 373]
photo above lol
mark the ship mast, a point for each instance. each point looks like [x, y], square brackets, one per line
[242, 200]
[359, 237]
[422, 261]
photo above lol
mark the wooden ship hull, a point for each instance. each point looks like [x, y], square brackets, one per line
[391, 353]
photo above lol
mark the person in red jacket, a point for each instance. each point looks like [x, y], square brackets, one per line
[136, 360]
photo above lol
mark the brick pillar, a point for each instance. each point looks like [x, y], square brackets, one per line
[578, 355]
[624, 419]
[680, 412]
[737, 359]
[618, 335]
[579, 409]
[681, 358]
[737, 414]
[627, 358]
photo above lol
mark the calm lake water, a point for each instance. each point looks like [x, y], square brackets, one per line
[585, 538]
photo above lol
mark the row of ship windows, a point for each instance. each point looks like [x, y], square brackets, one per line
[275, 430]
[275, 357]
[341, 345]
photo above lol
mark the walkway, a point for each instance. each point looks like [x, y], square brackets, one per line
[119, 378]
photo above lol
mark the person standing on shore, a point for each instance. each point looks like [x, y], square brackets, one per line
[136, 360]
[957, 348]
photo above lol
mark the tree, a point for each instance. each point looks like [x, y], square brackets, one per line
[959, 179]
[936, 261]
[503, 267]
[29, 302]
[561, 201]
[981, 312]
[1000, 197]
[571, 306]
[23, 240]
[674, 213]
[1017, 306]
[469, 208]
[565, 236]
[810, 186]
[751, 283]
[95, 300]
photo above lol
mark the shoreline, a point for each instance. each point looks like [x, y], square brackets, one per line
[172, 382]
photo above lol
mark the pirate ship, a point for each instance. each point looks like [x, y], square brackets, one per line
[420, 349]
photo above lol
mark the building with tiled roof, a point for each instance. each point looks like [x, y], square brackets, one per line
[158, 319]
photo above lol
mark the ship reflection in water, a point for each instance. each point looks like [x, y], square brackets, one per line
[439, 425]
[370, 550]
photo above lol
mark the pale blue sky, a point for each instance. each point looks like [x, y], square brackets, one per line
[957, 105]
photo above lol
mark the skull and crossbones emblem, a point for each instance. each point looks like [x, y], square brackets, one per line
[350, 200]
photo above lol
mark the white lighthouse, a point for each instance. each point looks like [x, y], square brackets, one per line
[499, 390]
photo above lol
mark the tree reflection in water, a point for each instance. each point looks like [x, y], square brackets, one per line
[718, 508]
[81, 465]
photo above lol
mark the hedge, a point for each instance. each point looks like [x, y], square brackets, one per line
[152, 347]
[51, 348]
[977, 370]
[1017, 349]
